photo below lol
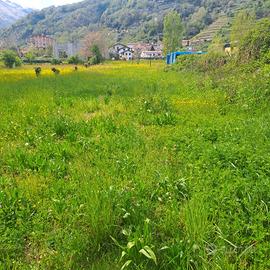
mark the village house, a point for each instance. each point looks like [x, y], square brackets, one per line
[41, 42]
[138, 50]
[155, 52]
[151, 55]
[121, 52]
[185, 43]
[138, 47]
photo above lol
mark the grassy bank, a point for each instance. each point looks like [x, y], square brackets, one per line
[123, 165]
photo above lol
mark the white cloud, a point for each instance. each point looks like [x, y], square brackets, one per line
[38, 4]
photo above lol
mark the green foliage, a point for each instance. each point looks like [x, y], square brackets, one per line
[96, 55]
[256, 42]
[172, 32]
[74, 60]
[56, 61]
[30, 57]
[212, 61]
[266, 58]
[11, 59]
[157, 111]
[204, 63]
[216, 46]
[242, 23]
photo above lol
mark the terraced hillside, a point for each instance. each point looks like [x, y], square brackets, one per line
[211, 31]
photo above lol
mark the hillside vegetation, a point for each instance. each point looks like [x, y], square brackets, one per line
[126, 19]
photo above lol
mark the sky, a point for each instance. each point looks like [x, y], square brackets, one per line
[38, 4]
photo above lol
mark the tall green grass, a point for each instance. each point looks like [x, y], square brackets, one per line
[131, 167]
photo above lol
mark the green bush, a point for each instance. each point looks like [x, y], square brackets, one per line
[74, 60]
[186, 62]
[257, 41]
[11, 59]
[30, 57]
[212, 61]
[208, 62]
[94, 60]
[56, 61]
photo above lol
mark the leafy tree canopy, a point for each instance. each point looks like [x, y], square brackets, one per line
[173, 30]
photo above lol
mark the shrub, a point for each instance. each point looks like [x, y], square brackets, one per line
[256, 42]
[187, 62]
[208, 62]
[11, 59]
[94, 60]
[30, 57]
[74, 60]
[212, 61]
[56, 61]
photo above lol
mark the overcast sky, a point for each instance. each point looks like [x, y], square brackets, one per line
[38, 4]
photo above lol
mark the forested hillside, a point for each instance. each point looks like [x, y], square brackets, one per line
[131, 19]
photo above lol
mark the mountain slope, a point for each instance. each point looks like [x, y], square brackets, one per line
[212, 30]
[11, 12]
[127, 19]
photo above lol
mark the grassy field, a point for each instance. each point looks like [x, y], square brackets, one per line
[126, 166]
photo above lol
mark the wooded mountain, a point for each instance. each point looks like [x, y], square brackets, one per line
[11, 12]
[127, 19]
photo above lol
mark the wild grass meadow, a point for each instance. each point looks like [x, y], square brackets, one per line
[127, 166]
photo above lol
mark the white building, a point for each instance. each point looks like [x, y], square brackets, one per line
[66, 50]
[151, 55]
[121, 52]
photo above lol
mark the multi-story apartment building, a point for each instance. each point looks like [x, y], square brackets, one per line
[41, 42]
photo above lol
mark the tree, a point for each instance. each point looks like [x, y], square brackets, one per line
[92, 39]
[11, 59]
[172, 32]
[96, 55]
[241, 25]
[199, 19]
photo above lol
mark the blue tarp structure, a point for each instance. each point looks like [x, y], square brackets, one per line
[171, 57]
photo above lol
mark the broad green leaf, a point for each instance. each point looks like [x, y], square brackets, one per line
[149, 253]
